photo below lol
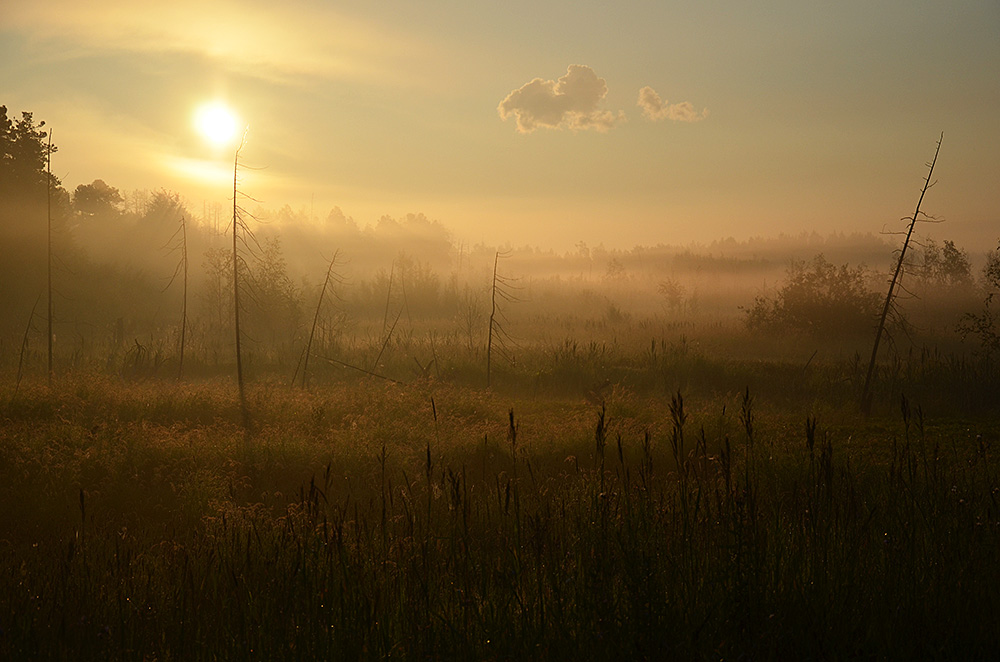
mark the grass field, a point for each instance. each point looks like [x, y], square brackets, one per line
[646, 502]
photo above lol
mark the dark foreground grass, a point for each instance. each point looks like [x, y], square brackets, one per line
[372, 521]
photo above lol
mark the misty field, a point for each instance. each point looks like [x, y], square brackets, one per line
[294, 438]
[523, 459]
[595, 503]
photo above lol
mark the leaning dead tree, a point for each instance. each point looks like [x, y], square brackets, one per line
[387, 335]
[24, 348]
[330, 275]
[866, 394]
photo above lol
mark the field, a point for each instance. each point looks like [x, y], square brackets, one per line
[455, 453]
[410, 346]
[632, 497]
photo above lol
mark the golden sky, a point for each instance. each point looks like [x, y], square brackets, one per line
[544, 123]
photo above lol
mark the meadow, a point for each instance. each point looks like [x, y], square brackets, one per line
[637, 493]
[210, 451]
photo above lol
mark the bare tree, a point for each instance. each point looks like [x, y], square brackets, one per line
[312, 332]
[24, 347]
[182, 270]
[388, 298]
[866, 394]
[503, 288]
[48, 196]
[387, 330]
[240, 232]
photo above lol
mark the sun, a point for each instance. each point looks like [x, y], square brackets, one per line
[216, 123]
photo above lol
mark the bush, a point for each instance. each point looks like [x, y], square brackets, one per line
[819, 298]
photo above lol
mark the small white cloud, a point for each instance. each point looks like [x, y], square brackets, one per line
[656, 109]
[572, 102]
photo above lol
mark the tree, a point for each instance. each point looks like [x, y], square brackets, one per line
[984, 325]
[32, 214]
[163, 208]
[180, 245]
[866, 400]
[818, 298]
[946, 266]
[241, 232]
[27, 189]
[216, 299]
[615, 271]
[503, 288]
[24, 154]
[420, 286]
[97, 199]
[672, 293]
[276, 298]
[337, 278]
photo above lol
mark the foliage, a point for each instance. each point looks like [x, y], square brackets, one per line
[615, 271]
[419, 285]
[97, 199]
[23, 157]
[946, 266]
[31, 202]
[216, 302]
[984, 325]
[277, 307]
[113, 306]
[672, 293]
[818, 298]
[991, 272]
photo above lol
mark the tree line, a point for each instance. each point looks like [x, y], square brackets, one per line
[115, 253]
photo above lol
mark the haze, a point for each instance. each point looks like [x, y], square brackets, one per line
[526, 123]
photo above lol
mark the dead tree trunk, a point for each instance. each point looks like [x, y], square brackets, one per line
[503, 288]
[866, 394]
[493, 314]
[24, 348]
[48, 195]
[184, 259]
[236, 291]
[312, 331]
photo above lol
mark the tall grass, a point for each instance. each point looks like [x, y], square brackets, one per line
[376, 521]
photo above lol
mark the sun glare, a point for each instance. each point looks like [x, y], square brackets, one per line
[216, 123]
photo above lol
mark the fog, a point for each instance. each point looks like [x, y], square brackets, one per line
[530, 331]
[119, 284]
[121, 276]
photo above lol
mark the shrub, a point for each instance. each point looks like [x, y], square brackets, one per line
[820, 298]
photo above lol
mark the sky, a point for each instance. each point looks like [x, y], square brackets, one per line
[533, 123]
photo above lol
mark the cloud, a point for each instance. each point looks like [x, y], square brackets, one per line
[571, 102]
[656, 109]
